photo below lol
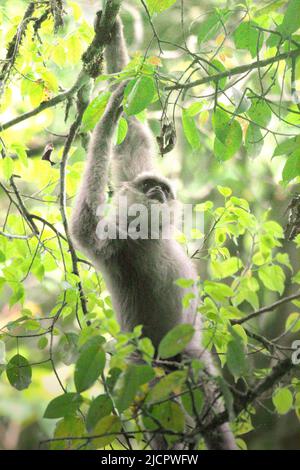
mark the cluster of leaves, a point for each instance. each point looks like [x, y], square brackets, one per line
[241, 117]
[107, 396]
[104, 396]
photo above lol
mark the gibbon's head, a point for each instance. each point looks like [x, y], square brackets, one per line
[150, 188]
[154, 193]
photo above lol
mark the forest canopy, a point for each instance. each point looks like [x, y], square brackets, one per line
[219, 84]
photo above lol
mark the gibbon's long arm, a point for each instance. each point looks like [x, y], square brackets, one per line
[139, 275]
[136, 153]
[92, 191]
[116, 54]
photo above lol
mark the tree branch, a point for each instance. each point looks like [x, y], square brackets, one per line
[45, 104]
[241, 402]
[82, 103]
[14, 45]
[10, 236]
[92, 62]
[27, 216]
[268, 308]
[237, 70]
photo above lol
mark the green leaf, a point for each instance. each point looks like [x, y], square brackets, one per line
[222, 269]
[185, 283]
[254, 140]
[273, 228]
[283, 258]
[18, 371]
[291, 20]
[89, 365]
[122, 130]
[42, 342]
[157, 6]
[218, 291]
[100, 407]
[194, 108]
[8, 167]
[2, 353]
[204, 206]
[170, 416]
[18, 295]
[216, 67]
[59, 55]
[225, 191]
[293, 322]
[272, 277]
[269, 8]
[94, 111]
[67, 348]
[287, 146]
[33, 88]
[241, 101]
[74, 48]
[168, 384]
[260, 113]
[246, 36]
[108, 427]
[292, 167]
[211, 26]
[49, 79]
[229, 135]
[130, 382]
[140, 96]
[175, 340]
[20, 150]
[71, 426]
[236, 357]
[193, 402]
[64, 405]
[32, 325]
[227, 396]
[190, 130]
[283, 400]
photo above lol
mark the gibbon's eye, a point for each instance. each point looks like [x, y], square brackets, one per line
[147, 185]
[165, 188]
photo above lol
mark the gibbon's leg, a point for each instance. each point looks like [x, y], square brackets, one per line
[132, 157]
[135, 154]
[222, 437]
[92, 191]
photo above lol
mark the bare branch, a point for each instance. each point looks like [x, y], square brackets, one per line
[10, 236]
[281, 369]
[268, 308]
[82, 102]
[237, 70]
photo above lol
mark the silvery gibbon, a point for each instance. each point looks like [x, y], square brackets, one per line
[139, 273]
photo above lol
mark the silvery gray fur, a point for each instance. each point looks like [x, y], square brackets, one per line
[140, 274]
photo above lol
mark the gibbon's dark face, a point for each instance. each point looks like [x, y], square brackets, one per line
[155, 189]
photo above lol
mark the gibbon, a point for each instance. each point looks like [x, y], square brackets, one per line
[140, 273]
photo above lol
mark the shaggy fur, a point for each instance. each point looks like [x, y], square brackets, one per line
[140, 274]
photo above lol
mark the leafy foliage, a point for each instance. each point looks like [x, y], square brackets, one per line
[222, 115]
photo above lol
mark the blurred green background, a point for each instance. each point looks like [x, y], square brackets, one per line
[52, 65]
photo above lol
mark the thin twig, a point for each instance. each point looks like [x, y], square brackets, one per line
[237, 70]
[268, 308]
[10, 236]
